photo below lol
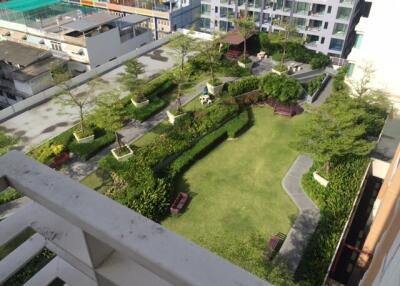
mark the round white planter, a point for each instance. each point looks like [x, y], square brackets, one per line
[123, 157]
[214, 89]
[173, 118]
[140, 104]
[87, 139]
[245, 65]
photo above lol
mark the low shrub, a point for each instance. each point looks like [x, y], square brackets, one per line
[285, 89]
[143, 113]
[281, 68]
[158, 86]
[319, 61]
[203, 146]
[243, 85]
[85, 151]
[231, 68]
[277, 56]
[315, 84]
[9, 195]
[235, 126]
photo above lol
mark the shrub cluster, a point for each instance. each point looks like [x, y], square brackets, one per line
[9, 195]
[155, 105]
[243, 85]
[146, 173]
[315, 84]
[285, 89]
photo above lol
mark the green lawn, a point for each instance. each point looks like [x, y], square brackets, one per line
[237, 199]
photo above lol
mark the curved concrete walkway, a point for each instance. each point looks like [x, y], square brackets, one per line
[306, 222]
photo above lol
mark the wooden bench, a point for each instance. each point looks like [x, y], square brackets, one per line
[274, 245]
[179, 203]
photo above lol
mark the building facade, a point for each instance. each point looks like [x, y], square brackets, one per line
[370, 52]
[326, 25]
[165, 16]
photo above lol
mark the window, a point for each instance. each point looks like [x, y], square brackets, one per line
[358, 41]
[336, 44]
[56, 46]
[329, 9]
[326, 25]
[350, 70]
[322, 40]
[215, 23]
[216, 9]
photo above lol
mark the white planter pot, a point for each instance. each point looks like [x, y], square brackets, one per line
[87, 139]
[140, 104]
[173, 118]
[322, 181]
[123, 157]
[214, 89]
[246, 66]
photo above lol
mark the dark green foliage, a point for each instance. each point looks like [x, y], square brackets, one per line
[319, 61]
[285, 89]
[159, 86]
[85, 151]
[231, 68]
[243, 85]
[142, 114]
[335, 202]
[9, 195]
[145, 191]
[315, 84]
[30, 269]
[235, 126]
[338, 81]
[203, 146]
[277, 56]
[266, 44]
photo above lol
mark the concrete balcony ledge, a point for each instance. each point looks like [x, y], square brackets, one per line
[97, 239]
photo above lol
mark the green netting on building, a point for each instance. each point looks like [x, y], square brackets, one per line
[26, 5]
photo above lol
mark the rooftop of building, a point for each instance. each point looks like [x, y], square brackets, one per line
[19, 54]
[90, 22]
[37, 69]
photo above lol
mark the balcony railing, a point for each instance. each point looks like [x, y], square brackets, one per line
[97, 247]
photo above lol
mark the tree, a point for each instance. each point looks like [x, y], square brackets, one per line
[179, 77]
[181, 46]
[130, 79]
[290, 35]
[212, 55]
[6, 142]
[83, 101]
[282, 88]
[110, 111]
[334, 131]
[246, 28]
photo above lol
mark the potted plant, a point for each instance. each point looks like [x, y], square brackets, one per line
[139, 100]
[246, 28]
[280, 69]
[123, 152]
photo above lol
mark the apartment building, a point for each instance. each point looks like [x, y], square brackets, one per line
[376, 48]
[165, 16]
[326, 25]
[84, 36]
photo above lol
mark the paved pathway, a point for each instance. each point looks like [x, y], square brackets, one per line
[78, 170]
[305, 224]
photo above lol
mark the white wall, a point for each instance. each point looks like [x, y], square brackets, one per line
[379, 47]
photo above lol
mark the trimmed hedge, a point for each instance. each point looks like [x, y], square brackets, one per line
[9, 195]
[158, 86]
[335, 202]
[203, 146]
[236, 125]
[85, 151]
[243, 85]
[142, 114]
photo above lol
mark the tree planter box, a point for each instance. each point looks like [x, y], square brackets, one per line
[173, 118]
[214, 89]
[322, 181]
[245, 65]
[140, 104]
[123, 157]
[87, 139]
[279, 72]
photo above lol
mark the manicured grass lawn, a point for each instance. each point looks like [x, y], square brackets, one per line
[237, 199]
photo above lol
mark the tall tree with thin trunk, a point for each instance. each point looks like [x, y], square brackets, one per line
[212, 55]
[130, 79]
[181, 45]
[290, 35]
[246, 27]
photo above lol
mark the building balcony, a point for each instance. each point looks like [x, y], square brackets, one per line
[311, 45]
[87, 245]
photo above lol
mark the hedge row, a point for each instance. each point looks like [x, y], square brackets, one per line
[335, 203]
[142, 114]
[159, 86]
[203, 146]
[243, 85]
[9, 195]
[236, 125]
